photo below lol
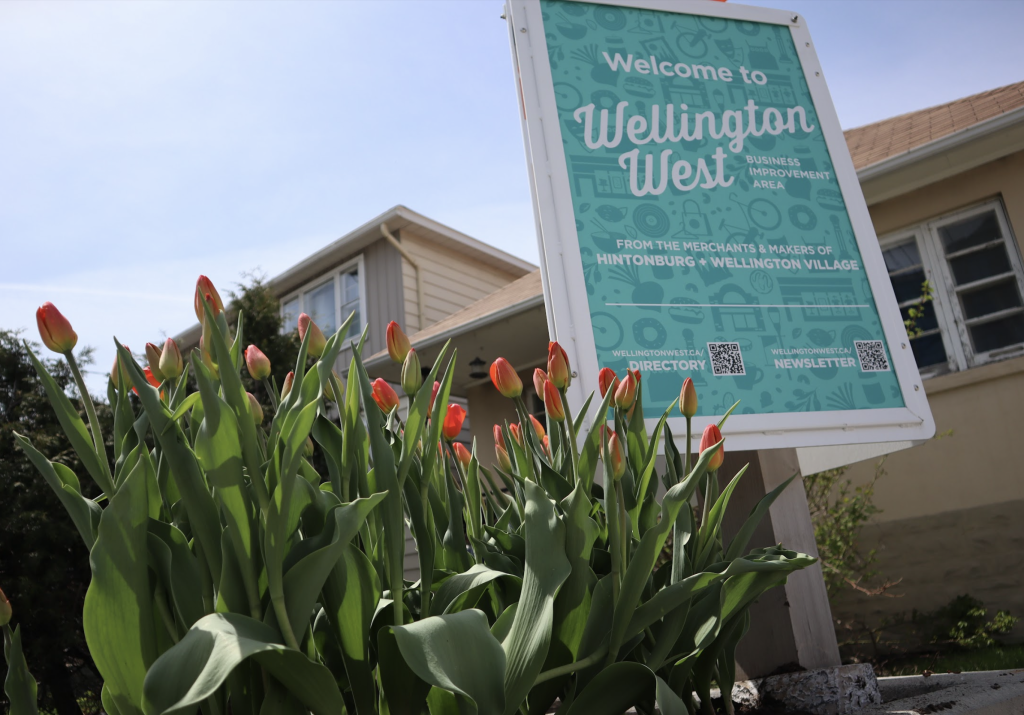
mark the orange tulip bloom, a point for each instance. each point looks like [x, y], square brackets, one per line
[462, 454]
[205, 289]
[505, 378]
[453, 422]
[317, 341]
[499, 436]
[433, 395]
[553, 402]
[539, 378]
[385, 397]
[397, 342]
[625, 394]
[517, 433]
[54, 329]
[558, 366]
[616, 459]
[538, 428]
[688, 398]
[712, 436]
[607, 380]
[287, 386]
[503, 461]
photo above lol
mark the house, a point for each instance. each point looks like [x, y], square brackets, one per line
[945, 189]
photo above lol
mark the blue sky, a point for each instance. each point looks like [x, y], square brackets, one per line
[142, 144]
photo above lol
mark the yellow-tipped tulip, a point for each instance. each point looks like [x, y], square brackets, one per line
[688, 399]
[257, 363]
[625, 394]
[54, 329]
[329, 388]
[503, 461]
[153, 356]
[287, 386]
[317, 341]
[412, 375]
[257, 410]
[206, 289]
[171, 364]
[505, 378]
[397, 342]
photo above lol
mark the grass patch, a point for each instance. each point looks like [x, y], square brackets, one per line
[991, 658]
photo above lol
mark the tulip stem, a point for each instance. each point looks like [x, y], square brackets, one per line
[571, 429]
[94, 424]
[689, 448]
[271, 392]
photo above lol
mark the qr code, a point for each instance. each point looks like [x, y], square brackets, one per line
[726, 359]
[871, 354]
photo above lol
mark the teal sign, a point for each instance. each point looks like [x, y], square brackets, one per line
[714, 238]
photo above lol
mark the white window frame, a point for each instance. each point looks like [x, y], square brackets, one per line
[953, 327]
[334, 275]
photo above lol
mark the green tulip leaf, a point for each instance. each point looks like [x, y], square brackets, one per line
[19, 685]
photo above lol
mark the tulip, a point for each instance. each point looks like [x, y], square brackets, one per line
[385, 397]
[616, 460]
[150, 378]
[329, 388]
[207, 357]
[505, 378]
[171, 365]
[317, 341]
[607, 380]
[503, 461]
[5, 610]
[255, 408]
[517, 433]
[625, 394]
[433, 395]
[453, 422]
[205, 289]
[462, 454]
[257, 363]
[499, 436]
[558, 366]
[688, 399]
[539, 378]
[153, 356]
[412, 375]
[712, 436]
[287, 386]
[538, 428]
[546, 445]
[398, 343]
[553, 402]
[54, 329]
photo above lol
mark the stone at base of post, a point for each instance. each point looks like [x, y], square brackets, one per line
[791, 628]
[826, 691]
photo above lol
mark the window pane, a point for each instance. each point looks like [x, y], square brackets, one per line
[320, 305]
[902, 256]
[998, 333]
[990, 299]
[928, 350]
[970, 232]
[356, 326]
[350, 286]
[928, 321]
[980, 264]
[290, 315]
[908, 286]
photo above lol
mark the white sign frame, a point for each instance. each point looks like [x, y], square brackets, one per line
[565, 296]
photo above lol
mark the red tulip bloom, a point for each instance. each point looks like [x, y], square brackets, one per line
[538, 428]
[688, 398]
[257, 363]
[398, 343]
[539, 378]
[607, 380]
[317, 341]
[616, 459]
[553, 402]
[150, 378]
[712, 436]
[499, 436]
[558, 366]
[54, 329]
[287, 386]
[453, 422]
[625, 394]
[433, 395]
[517, 433]
[462, 454]
[205, 289]
[505, 378]
[385, 397]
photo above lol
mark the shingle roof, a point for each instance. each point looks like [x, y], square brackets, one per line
[873, 143]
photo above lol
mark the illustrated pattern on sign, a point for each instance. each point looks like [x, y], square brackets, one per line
[794, 328]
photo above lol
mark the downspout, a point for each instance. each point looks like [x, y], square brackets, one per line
[416, 268]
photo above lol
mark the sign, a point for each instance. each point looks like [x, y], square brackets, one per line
[699, 216]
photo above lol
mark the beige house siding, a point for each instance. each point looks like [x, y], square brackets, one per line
[951, 508]
[451, 281]
[383, 289]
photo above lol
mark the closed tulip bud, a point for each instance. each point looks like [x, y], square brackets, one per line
[546, 444]
[499, 436]
[625, 394]
[205, 289]
[503, 461]
[553, 402]
[153, 356]
[616, 459]
[712, 436]
[307, 451]
[539, 378]
[208, 359]
[412, 375]
[505, 378]
[538, 428]
[6, 611]
[558, 366]
[256, 408]
[171, 365]
[607, 380]
[317, 341]
[688, 398]
[257, 363]
[329, 388]
[150, 378]
[398, 343]
[462, 454]
[385, 397]
[54, 329]
[287, 386]
[517, 433]
[453, 422]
